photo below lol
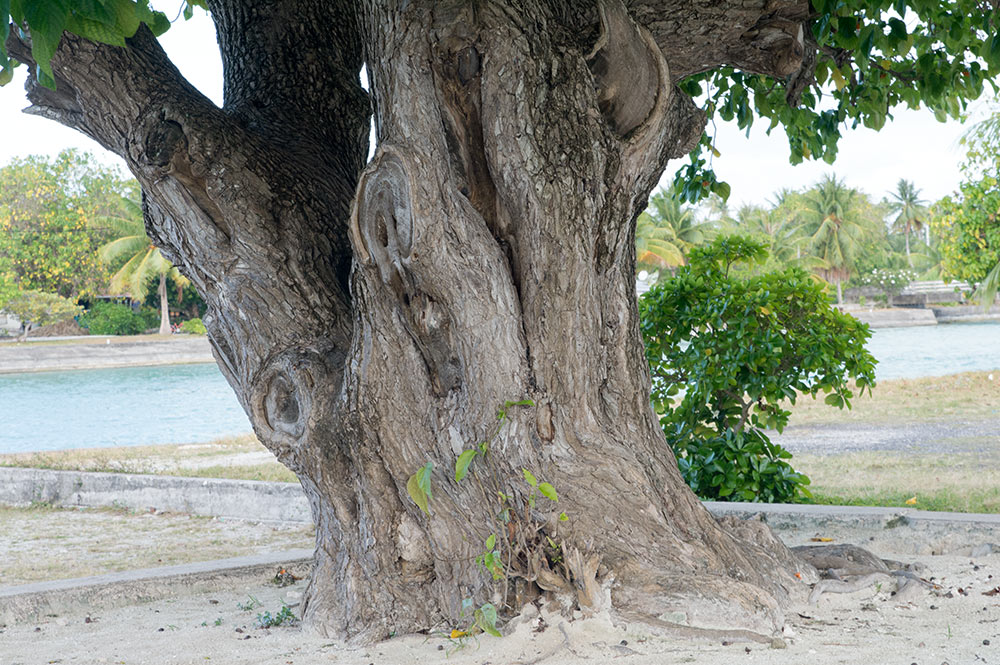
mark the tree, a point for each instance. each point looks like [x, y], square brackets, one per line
[47, 206]
[839, 230]
[143, 260]
[665, 232]
[34, 308]
[780, 225]
[910, 209]
[372, 318]
[727, 345]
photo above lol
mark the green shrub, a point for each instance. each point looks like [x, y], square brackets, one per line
[725, 346]
[193, 326]
[108, 318]
[150, 317]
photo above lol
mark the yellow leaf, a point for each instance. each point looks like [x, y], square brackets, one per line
[455, 634]
[765, 311]
[821, 539]
[838, 79]
[912, 501]
[716, 152]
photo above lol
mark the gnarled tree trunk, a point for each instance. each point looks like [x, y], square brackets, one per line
[372, 319]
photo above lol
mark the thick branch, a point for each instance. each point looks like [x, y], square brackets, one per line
[295, 64]
[250, 222]
[765, 36]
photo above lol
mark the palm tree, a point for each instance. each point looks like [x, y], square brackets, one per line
[910, 208]
[666, 232]
[779, 225]
[143, 260]
[832, 209]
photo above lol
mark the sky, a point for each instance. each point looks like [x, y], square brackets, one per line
[914, 145]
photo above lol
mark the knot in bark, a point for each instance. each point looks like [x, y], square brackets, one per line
[626, 64]
[382, 219]
[284, 399]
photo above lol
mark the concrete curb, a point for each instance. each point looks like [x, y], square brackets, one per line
[38, 357]
[255, 500]
[32, 601]
[263, 501]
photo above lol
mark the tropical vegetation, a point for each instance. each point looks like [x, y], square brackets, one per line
[143, 261]
[728, 343]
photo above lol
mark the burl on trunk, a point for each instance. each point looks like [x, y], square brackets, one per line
[372, 319]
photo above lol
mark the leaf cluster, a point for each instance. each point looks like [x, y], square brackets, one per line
[872, 56]
[726, 346]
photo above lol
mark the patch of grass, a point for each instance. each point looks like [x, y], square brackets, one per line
[231, 457]
[970, 395]
[273, 472]
[45, 543]
[962, 482]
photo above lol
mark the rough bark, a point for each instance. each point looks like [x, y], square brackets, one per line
[488, 256]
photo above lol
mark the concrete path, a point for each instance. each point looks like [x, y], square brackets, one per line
[913, 437]
[87, 353]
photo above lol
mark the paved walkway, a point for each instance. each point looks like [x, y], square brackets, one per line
[101, 352]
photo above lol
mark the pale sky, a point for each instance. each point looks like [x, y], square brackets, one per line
[913, 146]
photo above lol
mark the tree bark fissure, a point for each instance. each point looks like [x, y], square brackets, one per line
[372, 318]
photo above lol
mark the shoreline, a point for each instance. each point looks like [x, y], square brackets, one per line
[64, 354]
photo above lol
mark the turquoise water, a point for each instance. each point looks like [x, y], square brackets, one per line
[190, 403]
[117, 407]
[947, 348]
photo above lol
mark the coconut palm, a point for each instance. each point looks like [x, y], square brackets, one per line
[779, 225]
[834, 213]
[911, 212]
[143, 261]
[666, 232]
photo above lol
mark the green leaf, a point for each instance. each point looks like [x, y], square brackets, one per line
[530, 478]
[4, 31]
[95, 31]
[486, 619]
[6, 75]
[563, 517]
[423, 476]
[491, 541]
[416, 493]
[463, 462]
[548, 490]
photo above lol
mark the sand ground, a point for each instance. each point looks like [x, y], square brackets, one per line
[958, 623]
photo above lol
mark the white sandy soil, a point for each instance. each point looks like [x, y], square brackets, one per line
[869, 627]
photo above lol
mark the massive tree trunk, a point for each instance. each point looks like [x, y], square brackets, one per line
[373, 319]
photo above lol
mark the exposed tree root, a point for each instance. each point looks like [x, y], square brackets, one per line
[848, 568]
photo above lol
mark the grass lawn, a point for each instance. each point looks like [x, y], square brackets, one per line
[967, 396]
[963, 482]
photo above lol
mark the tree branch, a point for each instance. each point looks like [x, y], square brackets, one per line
[222, 201]
[296, 64]
[764, 37]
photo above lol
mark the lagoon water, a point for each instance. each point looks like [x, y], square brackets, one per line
[192, 403]
[117, 407]
[948, 348]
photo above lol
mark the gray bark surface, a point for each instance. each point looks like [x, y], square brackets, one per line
[372, 318]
